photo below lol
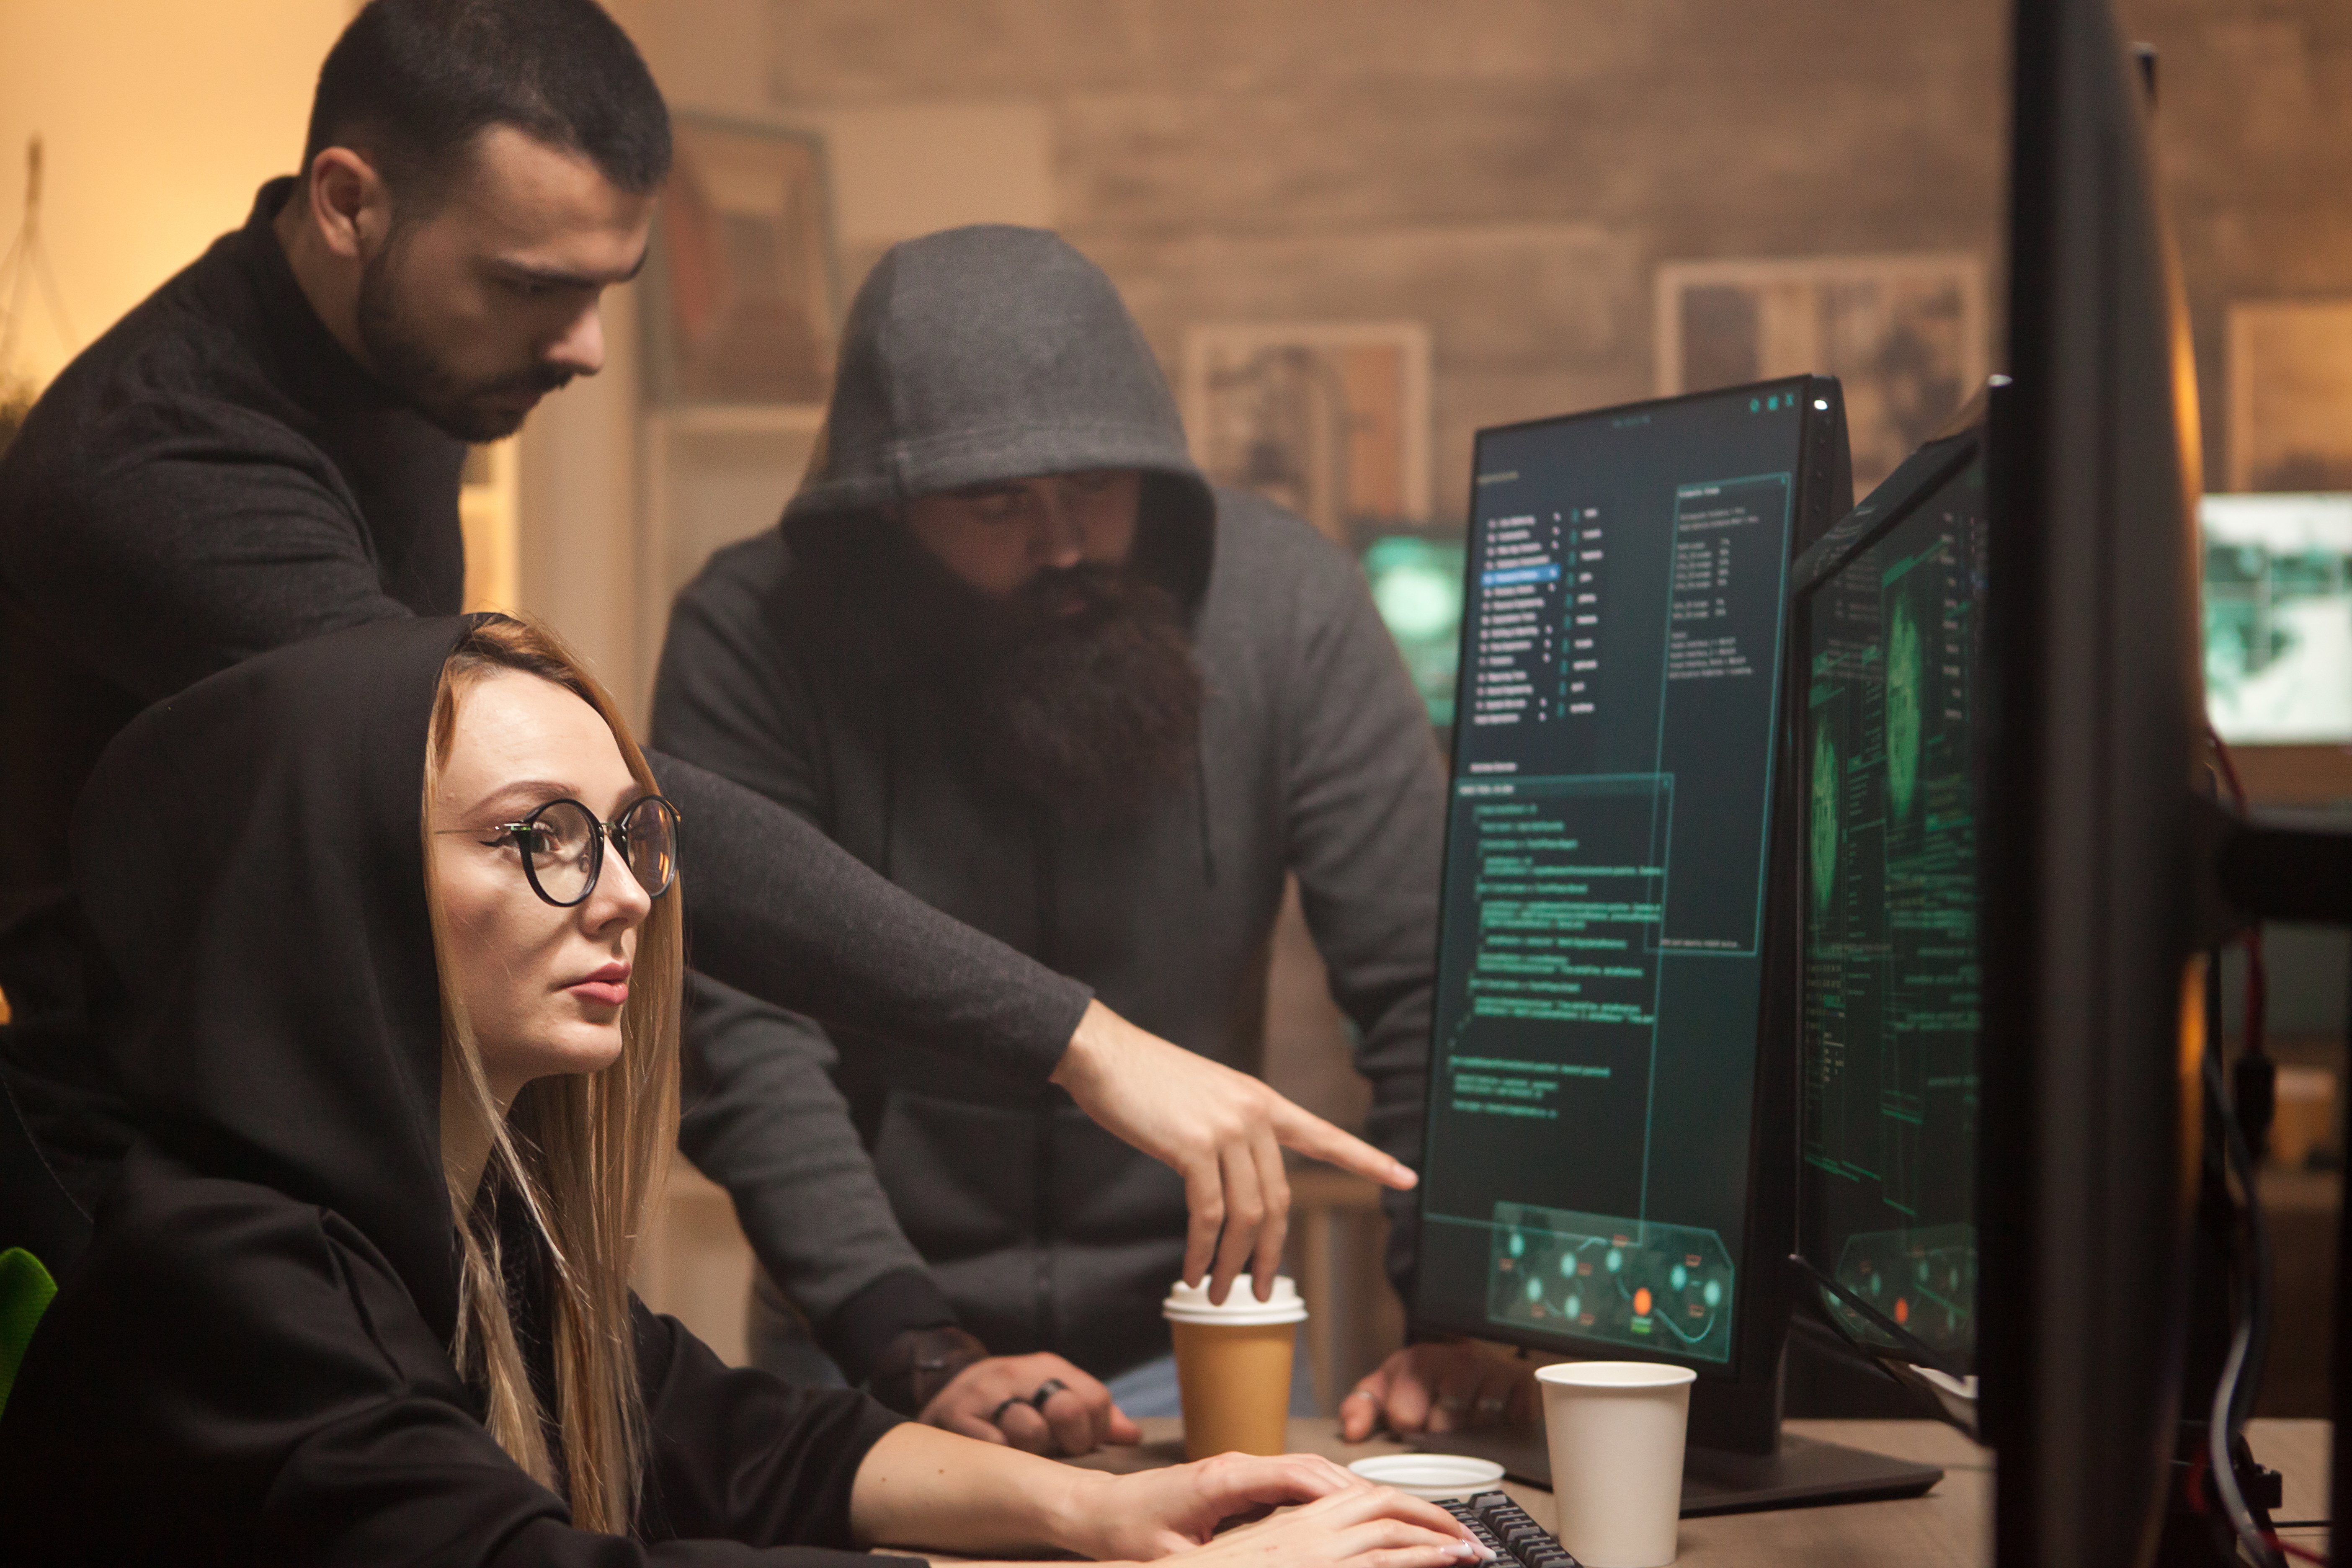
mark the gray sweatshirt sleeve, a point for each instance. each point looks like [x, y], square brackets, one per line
[1366, 803]
[847, 945]
[764, 1117]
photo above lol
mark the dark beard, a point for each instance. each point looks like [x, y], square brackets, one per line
[1078, 692]
[403, 361]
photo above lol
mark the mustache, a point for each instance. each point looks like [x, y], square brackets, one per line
[1080, 595]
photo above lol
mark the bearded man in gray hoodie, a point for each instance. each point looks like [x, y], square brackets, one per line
[1010, 649]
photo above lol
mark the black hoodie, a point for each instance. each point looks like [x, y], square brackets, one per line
[249, 1363]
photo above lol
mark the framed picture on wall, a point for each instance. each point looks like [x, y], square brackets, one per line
[711, 475]
[742, 298]
[1327, 418]
[2290, 380]
[1908, 337]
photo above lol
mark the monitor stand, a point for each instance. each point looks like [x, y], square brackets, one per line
[1803, 1472]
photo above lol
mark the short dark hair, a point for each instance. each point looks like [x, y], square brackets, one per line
[411, 82]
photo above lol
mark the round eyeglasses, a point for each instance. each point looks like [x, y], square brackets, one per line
[562, 847]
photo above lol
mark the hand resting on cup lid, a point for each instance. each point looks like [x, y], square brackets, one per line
[1232, 1365]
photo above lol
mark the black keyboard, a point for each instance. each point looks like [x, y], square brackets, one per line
[1504, 1528]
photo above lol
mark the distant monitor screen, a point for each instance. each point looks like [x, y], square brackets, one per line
[1417, 586]
[1599, 968]
[1887, 1056]
[2278, 617]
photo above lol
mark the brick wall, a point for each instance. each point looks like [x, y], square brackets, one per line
[1511, 171]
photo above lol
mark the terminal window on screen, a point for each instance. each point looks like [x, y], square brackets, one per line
[1599, 971]
[1887, 1056]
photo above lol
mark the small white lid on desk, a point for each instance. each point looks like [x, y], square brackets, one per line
[1431, 1475]
[1243, 1310]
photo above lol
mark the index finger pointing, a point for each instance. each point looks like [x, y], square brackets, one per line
[1318, 1139]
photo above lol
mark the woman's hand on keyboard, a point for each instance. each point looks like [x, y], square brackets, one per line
[1338, 1519]
[1363, 1527]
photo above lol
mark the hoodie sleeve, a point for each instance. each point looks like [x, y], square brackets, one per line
[219, 536]
[231, 1376]
[845, 945]
[764, 1120]
[736, 1454]
[1365, 798]
[776, 908]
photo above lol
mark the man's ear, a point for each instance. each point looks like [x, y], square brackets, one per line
[349, 207]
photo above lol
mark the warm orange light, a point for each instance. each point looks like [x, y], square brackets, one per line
[1641, 1302]
[2192, 1074]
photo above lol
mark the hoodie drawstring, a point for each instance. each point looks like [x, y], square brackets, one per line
[889, 780]
[1201, 797]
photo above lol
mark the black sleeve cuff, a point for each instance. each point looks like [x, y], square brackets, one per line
[857, 1330]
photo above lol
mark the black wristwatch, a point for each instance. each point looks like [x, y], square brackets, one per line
[914, 1367]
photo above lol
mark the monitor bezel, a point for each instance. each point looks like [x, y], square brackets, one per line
[1762, 1299]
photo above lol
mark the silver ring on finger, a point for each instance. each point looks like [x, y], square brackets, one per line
[1491, 1405]
[1453, 1403]
[996, 1416]
[1364, 1394]
[1046, 1391]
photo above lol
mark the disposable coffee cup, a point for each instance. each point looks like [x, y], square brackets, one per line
[1232, 1365]
[1615, 1431]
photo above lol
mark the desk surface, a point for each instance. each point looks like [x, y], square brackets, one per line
[1949, 1526]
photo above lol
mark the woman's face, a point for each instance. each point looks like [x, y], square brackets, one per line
[541, 985]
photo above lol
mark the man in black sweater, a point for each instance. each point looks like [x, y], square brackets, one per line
[268, 448]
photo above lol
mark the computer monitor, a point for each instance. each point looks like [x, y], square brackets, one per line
[1416, 583]
[1606, 1168]
[2278, 618]
[1890, 732]
[2092, 1008]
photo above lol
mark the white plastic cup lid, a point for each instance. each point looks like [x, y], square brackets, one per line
[1243, 1310]
[1431, 1475]
[1626, 1374]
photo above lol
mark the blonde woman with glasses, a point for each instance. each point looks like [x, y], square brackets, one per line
[392, 926]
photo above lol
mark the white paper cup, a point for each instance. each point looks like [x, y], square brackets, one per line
[1615, 1431]
[1232, 1365]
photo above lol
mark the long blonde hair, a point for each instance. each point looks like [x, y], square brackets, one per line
[584, 1153]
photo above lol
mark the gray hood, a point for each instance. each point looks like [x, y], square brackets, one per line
[994, 352]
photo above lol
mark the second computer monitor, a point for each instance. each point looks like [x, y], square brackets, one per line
[1890, 661]
[1591, 1162]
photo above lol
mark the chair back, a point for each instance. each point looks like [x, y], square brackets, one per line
[25, 1291]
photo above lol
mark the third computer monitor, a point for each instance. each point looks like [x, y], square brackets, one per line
[1890, 677]
[1609, 929]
